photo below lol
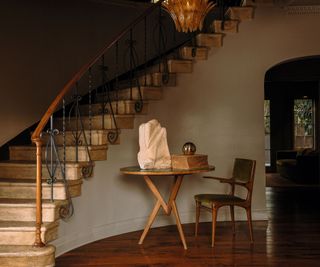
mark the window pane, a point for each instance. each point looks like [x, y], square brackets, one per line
[303, 123]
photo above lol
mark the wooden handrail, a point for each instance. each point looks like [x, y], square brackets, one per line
[36, 136]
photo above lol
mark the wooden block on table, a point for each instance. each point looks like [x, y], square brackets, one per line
[185, 162]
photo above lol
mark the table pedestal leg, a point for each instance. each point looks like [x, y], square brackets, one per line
[176, 214]
[150, 221]
[166, 207]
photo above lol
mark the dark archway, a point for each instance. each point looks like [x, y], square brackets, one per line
[293, 79]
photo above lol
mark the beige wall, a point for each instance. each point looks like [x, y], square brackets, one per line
[43, 44]
[219, 107]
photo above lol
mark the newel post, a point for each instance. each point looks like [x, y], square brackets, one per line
[38, 242]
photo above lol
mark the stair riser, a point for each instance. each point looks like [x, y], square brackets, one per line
[97, 138]
[200, 53]
[229, 26]
[27, 261]
[97, 123]
[28, 214]
[27, 237]
[180, 66]
[30, 154]
[29, 172]
[173, 66]
[120, 108]
[158, 79]
[29, 192]
[241, 13]
[147, 94]
[29, 257]
[209, 40]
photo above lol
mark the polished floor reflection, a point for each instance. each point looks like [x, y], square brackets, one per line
[291, 237]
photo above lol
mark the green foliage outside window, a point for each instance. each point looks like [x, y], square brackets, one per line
[303, 116]
[267, 116]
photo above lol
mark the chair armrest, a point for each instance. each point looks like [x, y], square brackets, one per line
[221, 180]
[231, 181]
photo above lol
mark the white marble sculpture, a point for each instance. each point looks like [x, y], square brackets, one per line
[154, 152]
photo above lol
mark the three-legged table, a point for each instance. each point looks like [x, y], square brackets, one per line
[166, 206]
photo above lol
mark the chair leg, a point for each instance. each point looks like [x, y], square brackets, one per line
[248, 210]
[232, 219]
[198, 205]
[214, 221]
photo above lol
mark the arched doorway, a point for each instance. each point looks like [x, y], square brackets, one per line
[292, 119]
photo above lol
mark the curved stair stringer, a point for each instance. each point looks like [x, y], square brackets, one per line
[17, 187]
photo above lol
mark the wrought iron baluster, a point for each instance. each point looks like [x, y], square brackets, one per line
[77, 98]
[50, 154]
[138, 105]
[114, 133]
[159, 40]
[145, 51]
[66, 211]
[64, 136]
[53, 164]
[163, 42]
[79, 134]
[131, 67]
[103, 70]
[117, 77]
[90, 105]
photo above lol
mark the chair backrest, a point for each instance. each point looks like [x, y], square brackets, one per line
[244, 171]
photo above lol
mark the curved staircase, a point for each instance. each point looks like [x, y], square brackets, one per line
[17, 175]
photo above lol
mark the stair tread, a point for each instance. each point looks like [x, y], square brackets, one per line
[24, 226]
[32, 147]
[21, 251]
[27, 202]
[99, 116]
[124, 101]
[32, 162]
[99, 131]
[180, 59]
[29, 182]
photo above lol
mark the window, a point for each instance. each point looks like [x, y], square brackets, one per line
[303, 123]
[267, 132]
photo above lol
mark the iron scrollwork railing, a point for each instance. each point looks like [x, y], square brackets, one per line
[133, 62]
[78, 132]
[160, 41]
[106, 105]
[54, 165]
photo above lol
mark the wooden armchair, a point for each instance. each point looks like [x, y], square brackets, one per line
[243, 175]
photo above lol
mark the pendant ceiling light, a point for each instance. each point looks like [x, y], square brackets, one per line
[188, 15]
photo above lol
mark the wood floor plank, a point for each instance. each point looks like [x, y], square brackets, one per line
[291, 237]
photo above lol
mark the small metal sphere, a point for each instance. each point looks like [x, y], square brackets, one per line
[189, 148]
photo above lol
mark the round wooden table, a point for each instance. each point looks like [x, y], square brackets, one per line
[171, 204]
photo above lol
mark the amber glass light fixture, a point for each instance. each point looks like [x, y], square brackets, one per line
[188, 15]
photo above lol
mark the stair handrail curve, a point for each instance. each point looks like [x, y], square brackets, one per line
[36, 136]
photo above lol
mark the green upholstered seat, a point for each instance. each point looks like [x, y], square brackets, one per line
[210, 198]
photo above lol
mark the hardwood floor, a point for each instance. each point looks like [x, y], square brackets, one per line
[291, 237]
